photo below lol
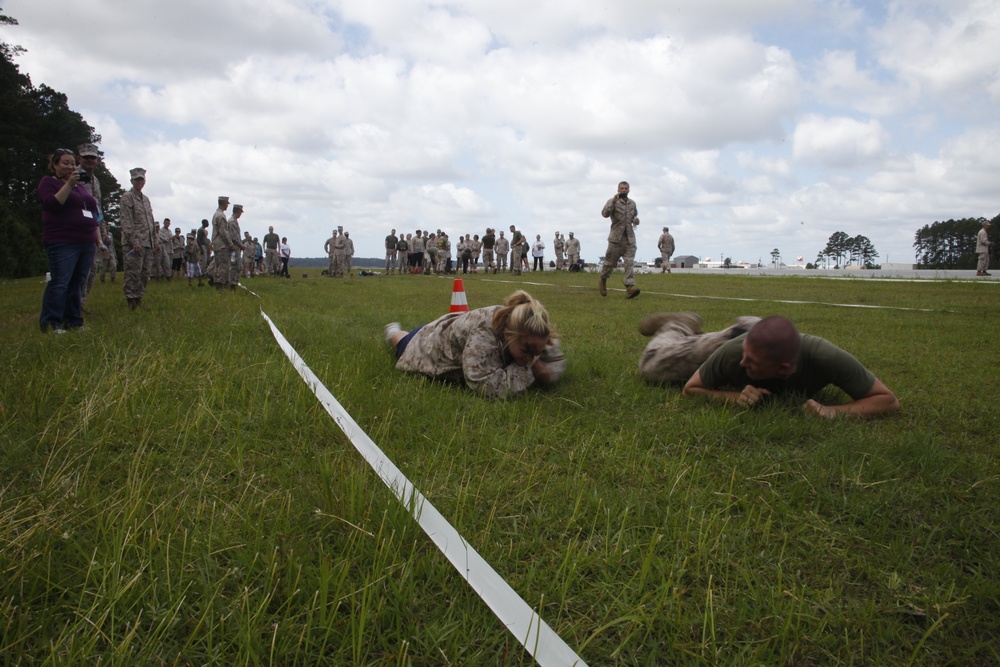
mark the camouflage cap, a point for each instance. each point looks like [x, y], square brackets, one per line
[223, 199]
[87, 150]
[137, 172]
[237, 207]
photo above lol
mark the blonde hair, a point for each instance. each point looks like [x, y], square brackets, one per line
[521, 315]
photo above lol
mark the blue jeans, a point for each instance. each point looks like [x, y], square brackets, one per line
[69, 264]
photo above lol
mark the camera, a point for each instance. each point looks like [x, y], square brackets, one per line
[84, 175]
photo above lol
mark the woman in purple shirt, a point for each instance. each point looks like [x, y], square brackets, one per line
[70, 235]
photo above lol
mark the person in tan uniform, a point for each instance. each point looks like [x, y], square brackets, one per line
[139, 231]
[238, 249]
[223, 246]
[497, 351]
[621, 240]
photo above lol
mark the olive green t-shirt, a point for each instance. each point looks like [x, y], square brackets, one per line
[820, 363]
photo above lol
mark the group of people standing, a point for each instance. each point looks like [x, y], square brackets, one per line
[81, 248]
[340, 251]
[428, 252]
[222, 257]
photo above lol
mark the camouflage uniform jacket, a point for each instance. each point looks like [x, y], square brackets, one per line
[235, 236]
[624, 217]
[220, 231]
[136, 217]
[462, 347]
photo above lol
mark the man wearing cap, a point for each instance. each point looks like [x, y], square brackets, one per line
[222, 245]
[330, 247]
[558, 247]
[138, 238]
[666, 246]
[621, 240]
[340, 244]
[236, 258]
[983, 245]
[271, 259]
[573, 250]
[516, 239]
[104, 258]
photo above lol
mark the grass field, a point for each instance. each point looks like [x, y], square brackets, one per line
[173, 493]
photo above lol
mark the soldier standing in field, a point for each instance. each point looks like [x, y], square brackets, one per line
[235, 259]
[666, 247]
[138, 238]
[222, 245]
[573, 250]
[503, 247]
[558, 247]
[516, 248]
[271, 259]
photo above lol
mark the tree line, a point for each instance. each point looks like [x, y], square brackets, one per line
[34, 121]
[842, 250]
[952, 244]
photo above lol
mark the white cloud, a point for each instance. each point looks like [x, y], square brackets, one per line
[476, 113]
[838, 141]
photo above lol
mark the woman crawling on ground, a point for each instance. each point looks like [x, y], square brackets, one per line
[498, 351]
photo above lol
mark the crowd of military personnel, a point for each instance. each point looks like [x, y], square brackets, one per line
[426, 252]
[221, 254]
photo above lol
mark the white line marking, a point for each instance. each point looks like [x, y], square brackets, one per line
[534, 634]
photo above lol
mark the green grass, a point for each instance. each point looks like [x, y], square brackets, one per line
[172, 493]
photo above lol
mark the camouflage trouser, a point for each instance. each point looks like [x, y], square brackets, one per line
[106, 265]
[235, 264]
[560, 261]
[515, 260]
[272, 262]
[984, 262]
[625, 251]
[345, 263]
[165, 257]
[221, 267]
[573, 259]
[205, 254]
[488, 262]
[501, 261]
[677, 351]
[137, 268]
[665, 261]
[390, 260]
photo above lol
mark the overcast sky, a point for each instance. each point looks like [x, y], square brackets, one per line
[743, 125]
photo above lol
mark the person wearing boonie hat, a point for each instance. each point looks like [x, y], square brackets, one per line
[573, 250]
[138, 238]
[222, 246]
[666, 246]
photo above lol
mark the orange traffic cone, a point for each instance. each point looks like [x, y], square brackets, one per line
[458, 302]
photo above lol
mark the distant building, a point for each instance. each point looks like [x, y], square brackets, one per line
[684, 262]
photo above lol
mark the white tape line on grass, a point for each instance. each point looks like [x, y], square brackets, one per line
[535, 635]
[720, 298]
